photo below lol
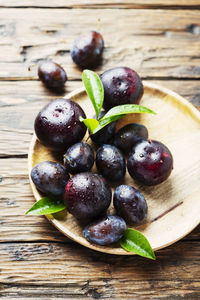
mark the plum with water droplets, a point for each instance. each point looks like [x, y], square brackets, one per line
[57, 125]
[50, 178]
[127, 136]
[122, 85]
[130, 204]
[105, 231]
[110, 162]
[87, 49]
[52, 75]
[150, 162]
[79, 158]
[87, 196]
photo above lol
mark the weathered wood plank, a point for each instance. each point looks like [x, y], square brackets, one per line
[49, 270]
[20, 93]
[16, 198]
[32, 96]
[100, 3]
[157, 43]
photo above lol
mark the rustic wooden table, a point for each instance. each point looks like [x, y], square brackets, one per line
[161, 40]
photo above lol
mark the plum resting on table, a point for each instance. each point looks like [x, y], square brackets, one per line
[57, 125]
[87, 49]
[50, 178]
[79, 158]
[127, 136]
[130, 204]
[122, 85]
[52, 74]
[105, 135]
[150, 162]
[87, 196]
[110, 163]
[105, 231]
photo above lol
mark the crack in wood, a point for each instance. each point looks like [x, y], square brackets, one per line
[166, 212]
[111, 5]
[2, 156]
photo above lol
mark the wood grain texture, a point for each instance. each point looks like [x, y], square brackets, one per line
[48, 270]
[20, 93]
[161, 41]
[103, 4]
[157, 43]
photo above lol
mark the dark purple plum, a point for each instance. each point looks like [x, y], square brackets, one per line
[110, 163]
[79, 158]
[52, 74]
[50, 178]
[105, 135]
[122, 85]
[127, 136]
[130, 204]
[87, 196]
[57, 125]
[150, 162]
[87, 49]
[105, 231]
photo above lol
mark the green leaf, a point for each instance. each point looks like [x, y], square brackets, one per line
[134, 241]
[46, 206]
[91, 124]
[127, 109]
[119, 112]
[94, 89]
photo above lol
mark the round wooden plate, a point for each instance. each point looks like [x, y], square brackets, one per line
[173, 206]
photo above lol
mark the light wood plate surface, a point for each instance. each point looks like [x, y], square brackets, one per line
[174, 205]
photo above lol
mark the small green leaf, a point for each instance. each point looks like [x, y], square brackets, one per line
[127, 109]
[94, 89]
[91, 124]
[119, 112]
[134, 241]
[46, 206]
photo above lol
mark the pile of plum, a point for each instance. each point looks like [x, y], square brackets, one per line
[88, 195]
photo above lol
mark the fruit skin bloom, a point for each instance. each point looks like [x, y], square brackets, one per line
[87, 49]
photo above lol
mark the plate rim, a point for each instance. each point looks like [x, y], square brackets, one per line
[69, 234]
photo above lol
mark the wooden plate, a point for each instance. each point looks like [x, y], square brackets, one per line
[173, 206]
